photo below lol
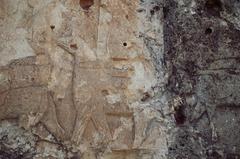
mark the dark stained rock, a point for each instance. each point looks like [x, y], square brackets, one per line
[202, 53]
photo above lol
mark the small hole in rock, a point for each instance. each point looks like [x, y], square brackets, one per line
[124, 44]
[146, 96]
[182, 145]
[52, 27]
[140, 10]
[73, 46]
[105, 92]
[208, 31]
[156, 8]
[152, 12]
[86, 4]
[170, 148]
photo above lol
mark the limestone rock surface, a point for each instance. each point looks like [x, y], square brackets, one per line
[119, 79]
[78, 76]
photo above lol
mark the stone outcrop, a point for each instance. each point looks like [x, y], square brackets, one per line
[104, 79]
[80, 71]
[202, 52]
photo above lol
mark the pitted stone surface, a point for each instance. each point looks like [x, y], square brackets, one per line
[106, 79]
[80, 72]
[202, 52]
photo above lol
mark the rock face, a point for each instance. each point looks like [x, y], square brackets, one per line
[202, 54]
[106, 79]
[79, 73]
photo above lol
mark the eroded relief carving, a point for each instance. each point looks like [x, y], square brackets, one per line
[89, 69]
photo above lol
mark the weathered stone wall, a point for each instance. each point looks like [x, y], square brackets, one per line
[79, 75]
[125, 79]
[202, 54]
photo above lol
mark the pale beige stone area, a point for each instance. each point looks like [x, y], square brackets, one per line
[79, 71]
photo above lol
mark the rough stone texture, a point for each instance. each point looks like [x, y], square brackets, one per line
[107, 79]
[79, 76]
[202, 53]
